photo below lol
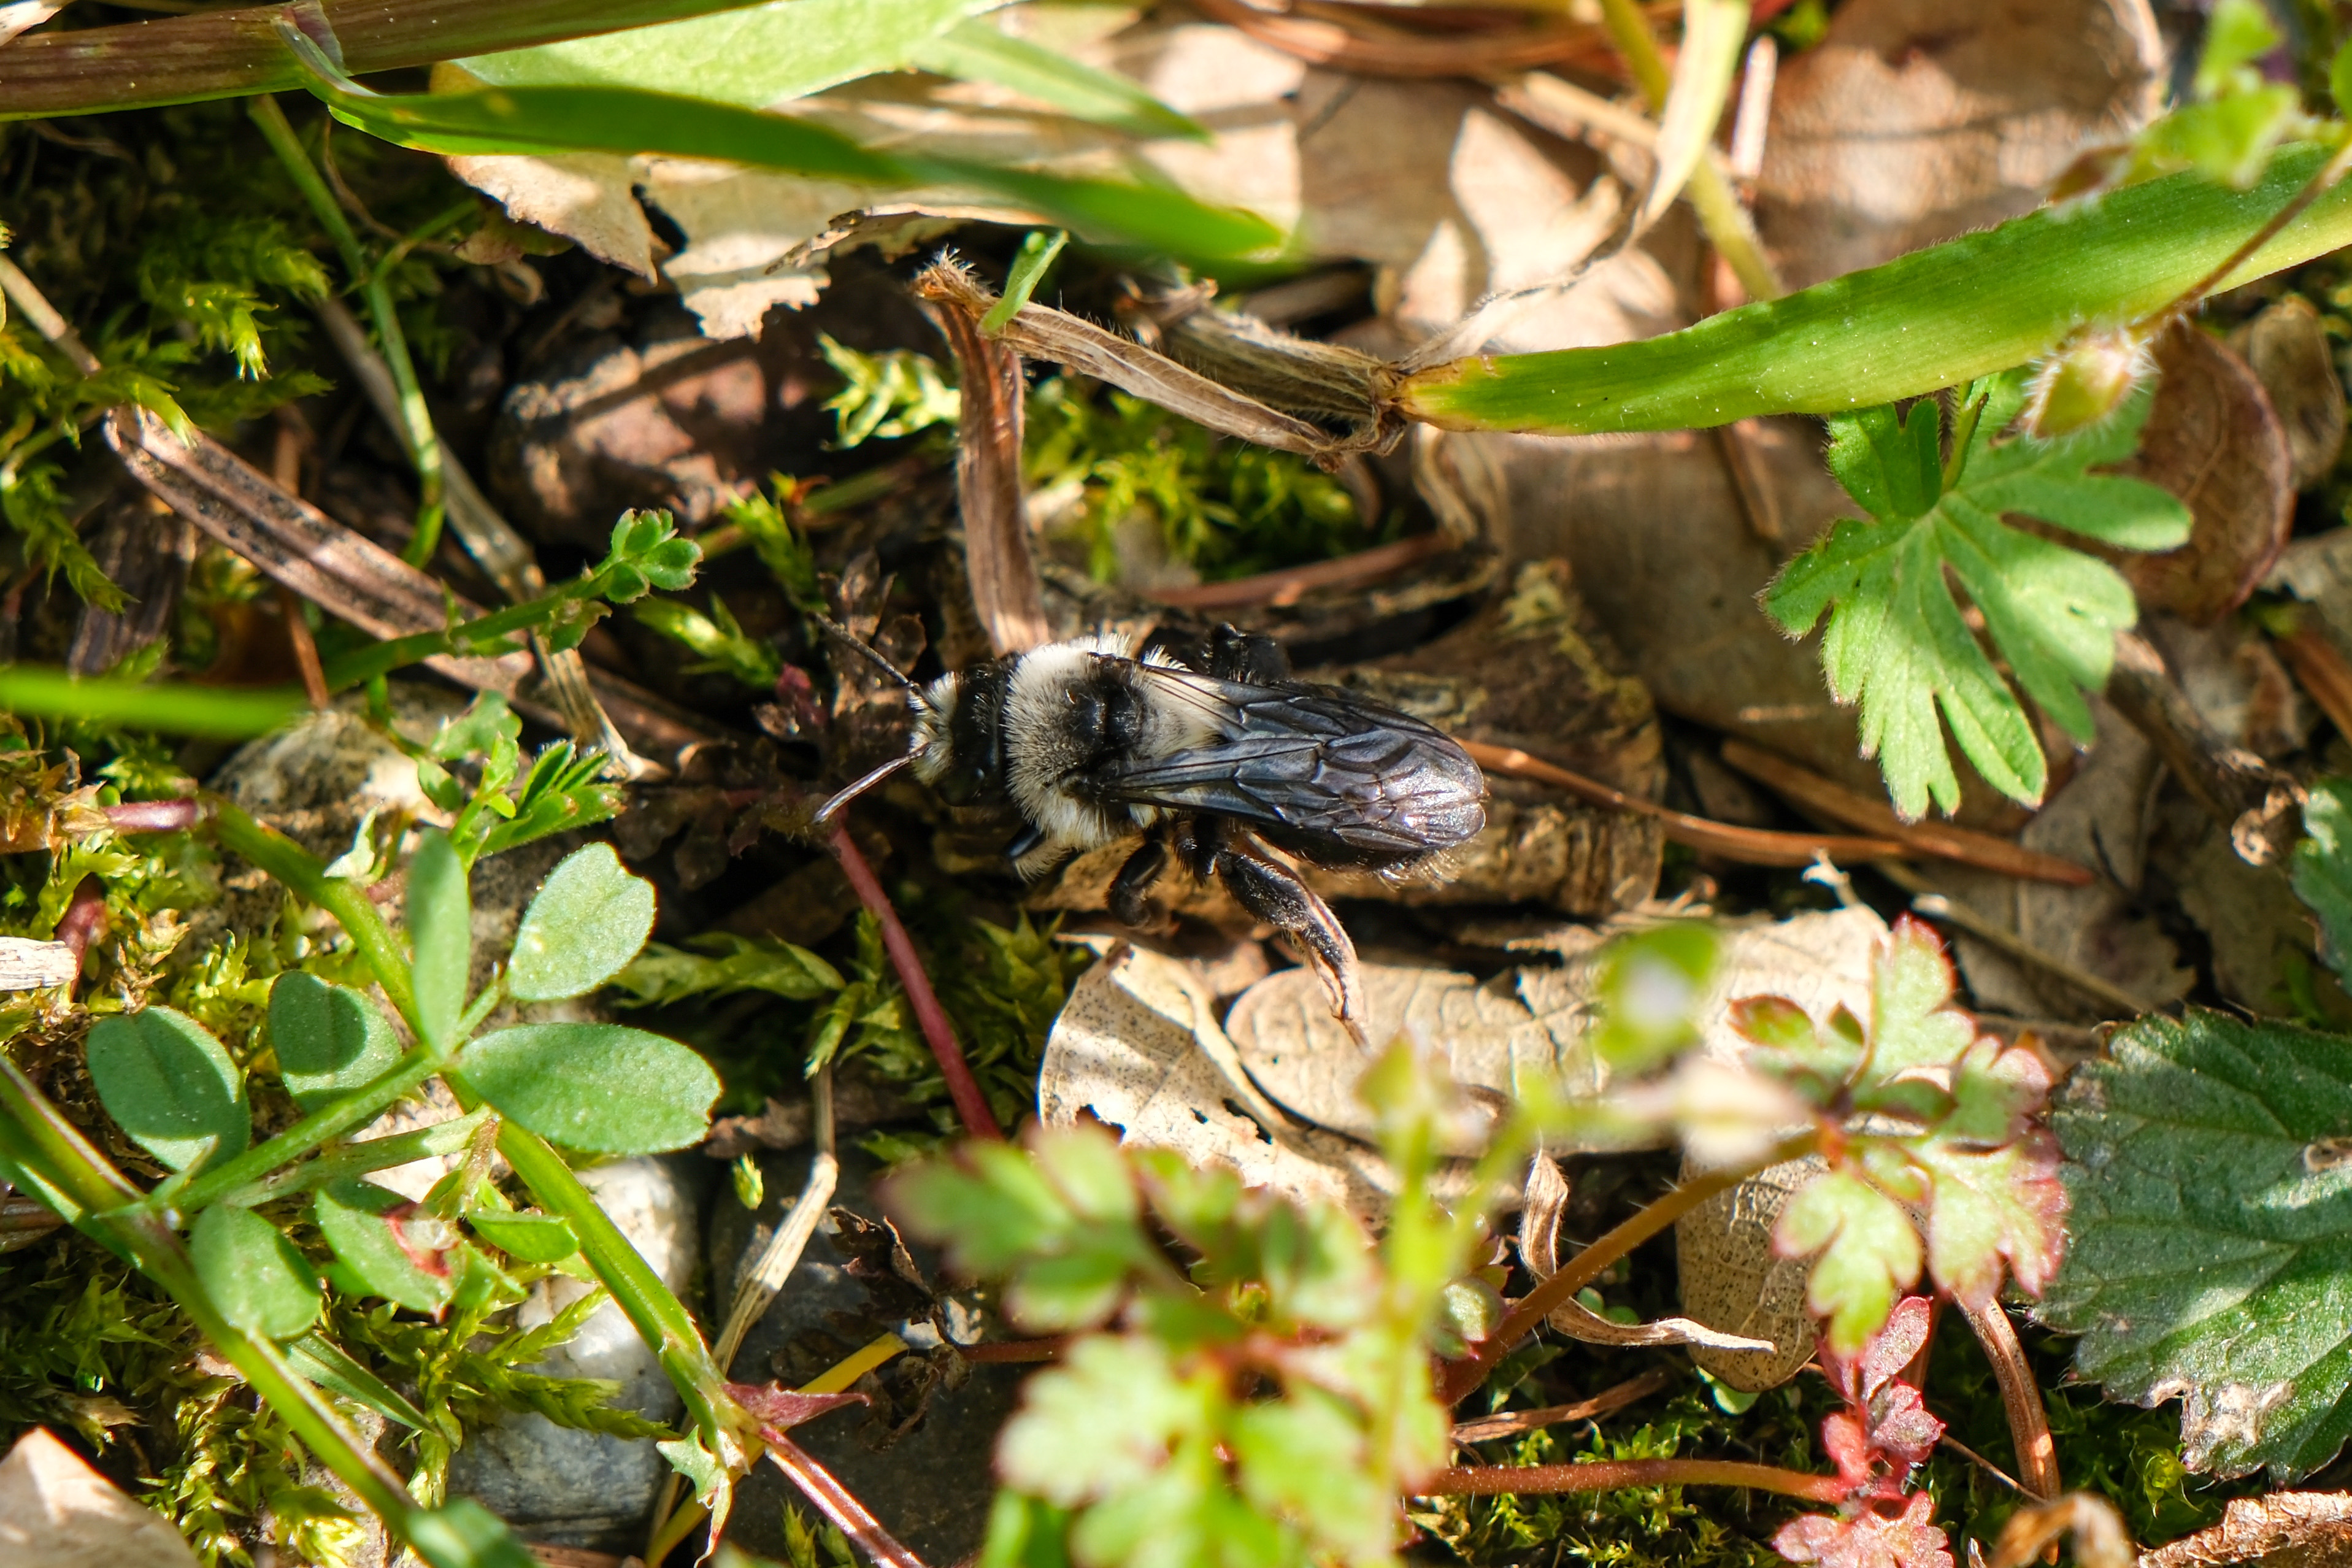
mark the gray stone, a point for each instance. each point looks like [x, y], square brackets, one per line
[931, 1487]
[570, 1487]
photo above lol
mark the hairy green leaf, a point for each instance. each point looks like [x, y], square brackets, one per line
[1896, 641]
[587, 922]
[170, 1086]
[392, 1253]
[252, 1273]
[330, 1040]
[441, 936]
[597, 1087]
[2209, 1162]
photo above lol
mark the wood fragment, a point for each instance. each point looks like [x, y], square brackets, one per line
[2021, 1397]
[2260, 807]
[1039, 331]
[27, 964]
[348, 576]
[1511, 1423]
[1811, 793]
[1749, 845]
[1006, 591]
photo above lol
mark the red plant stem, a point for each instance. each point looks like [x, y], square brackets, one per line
[84, 917]
[2020, 1395]
[1460, 1377]
[153, 815]
[839, 1504]
[1050, 1348]
[1607, 1475]
[962, 1088]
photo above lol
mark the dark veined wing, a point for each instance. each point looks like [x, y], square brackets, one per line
[1309, 761]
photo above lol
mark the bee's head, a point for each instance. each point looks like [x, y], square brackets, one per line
[959, 743]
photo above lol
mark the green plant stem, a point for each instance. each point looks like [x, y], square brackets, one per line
[1936, 318]
[1530, 1311]
[363, 665]
[1616, 1475]
[660, 1319]
[1711, 195]
[417, 420]
[35, 1129]
[359, 1159]
[300, 870]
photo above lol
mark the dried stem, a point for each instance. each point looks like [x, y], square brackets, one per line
[837, 1502]
[1749, 845]
[1606, 1476]
[970, 1104]
[1287, 586]
[1017, 1351]
[2020, 1395]
[1005, 586]
[1528, 1312]
[1511, 1423]
[1818, 797]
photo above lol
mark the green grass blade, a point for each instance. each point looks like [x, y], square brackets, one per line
[30, 692]
[627, 121]
[974, 51]
[1936, 318]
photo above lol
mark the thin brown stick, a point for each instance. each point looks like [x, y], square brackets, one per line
[1608, 1476]
[837, 1502]
[84, 919]
[1750, 480]
[1005, 586]
[1017, 1351]
[1947, 911]
[1809, 791]
[1511, 1423]
[1460, 1377]
[1288, 586]
[2251, 799]
[1749, 845]
[2021, 1397]
[306, 648]
[963, 1088]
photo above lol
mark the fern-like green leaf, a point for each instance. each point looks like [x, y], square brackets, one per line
[1897, 641]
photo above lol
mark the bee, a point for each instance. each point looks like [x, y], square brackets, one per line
[1217, 759]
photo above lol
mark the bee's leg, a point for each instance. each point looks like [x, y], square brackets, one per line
[1274, 894]
[1130, 890]
[1248, 657]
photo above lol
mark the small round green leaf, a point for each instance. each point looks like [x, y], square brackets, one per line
[597, 1087]
[462, 1533]
[441, 935]
[532, 1238]
[252, 1273]
[170, 1086]
[590, 918]
[330, 1040]
[354, 1218]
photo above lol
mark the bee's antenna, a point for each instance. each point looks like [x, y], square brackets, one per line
[863, 650]
[825, 812]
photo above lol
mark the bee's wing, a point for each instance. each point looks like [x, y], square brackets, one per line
[1312, 760]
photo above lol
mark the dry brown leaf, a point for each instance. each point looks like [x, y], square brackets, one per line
[587, 197]
[1915, 120]
[2287, 349]
[2212, 440]
[1732, 1280]
[1128, 1050]
[1547, 1196]
[2285, 1530]
[1497, 1032]
[57, 1513]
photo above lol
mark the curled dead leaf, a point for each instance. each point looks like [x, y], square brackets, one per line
[2212, 440]
[57, 1513]
[1733, 1282]
[1547, 1196]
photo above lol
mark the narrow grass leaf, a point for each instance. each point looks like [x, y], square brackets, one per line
[441, 935]
[30, 692]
